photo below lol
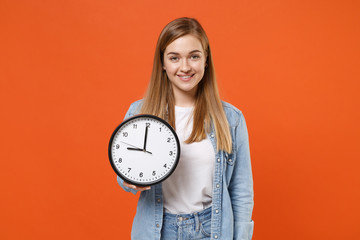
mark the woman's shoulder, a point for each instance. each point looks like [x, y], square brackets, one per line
[134, 108]
[137, 103]
[233, 114]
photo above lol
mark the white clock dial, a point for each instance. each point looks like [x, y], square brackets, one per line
[144, 150]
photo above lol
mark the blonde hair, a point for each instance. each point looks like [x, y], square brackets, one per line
[159, 98]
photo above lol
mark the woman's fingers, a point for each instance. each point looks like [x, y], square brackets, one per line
[137, 188]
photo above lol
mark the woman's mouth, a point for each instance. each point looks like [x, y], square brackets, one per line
[186, 77]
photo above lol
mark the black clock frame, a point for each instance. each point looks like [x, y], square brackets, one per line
[112, 161]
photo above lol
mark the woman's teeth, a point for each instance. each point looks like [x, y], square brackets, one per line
[186, 77]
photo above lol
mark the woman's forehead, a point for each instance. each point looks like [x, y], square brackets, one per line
[184, 45]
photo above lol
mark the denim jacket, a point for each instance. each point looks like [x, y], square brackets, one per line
[232, 202]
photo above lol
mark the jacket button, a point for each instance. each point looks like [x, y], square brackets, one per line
[157, 225]
[216, 211]
[230, 160]
[215, 236]
[218, 159]
[212, 135]
[158, 200]
[217, 185]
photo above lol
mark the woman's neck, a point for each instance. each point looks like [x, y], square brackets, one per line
[184, 99]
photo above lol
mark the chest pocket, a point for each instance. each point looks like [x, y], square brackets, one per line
[229, 166]
[229, 159]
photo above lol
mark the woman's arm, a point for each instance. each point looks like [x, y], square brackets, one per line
[241, 184]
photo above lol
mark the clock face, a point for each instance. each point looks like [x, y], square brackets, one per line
[144, 150]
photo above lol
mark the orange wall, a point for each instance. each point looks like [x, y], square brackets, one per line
[69, 70]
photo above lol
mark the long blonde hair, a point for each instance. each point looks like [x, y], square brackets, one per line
[159, 98]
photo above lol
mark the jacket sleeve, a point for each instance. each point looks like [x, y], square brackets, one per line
[241, 184]
[120, 181]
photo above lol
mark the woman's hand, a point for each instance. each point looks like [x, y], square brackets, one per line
[136, 188]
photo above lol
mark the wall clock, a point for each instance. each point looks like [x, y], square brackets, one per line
[144, 150]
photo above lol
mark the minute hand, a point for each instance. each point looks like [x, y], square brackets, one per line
[145, 139]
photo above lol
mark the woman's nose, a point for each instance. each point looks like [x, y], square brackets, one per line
[185, 66]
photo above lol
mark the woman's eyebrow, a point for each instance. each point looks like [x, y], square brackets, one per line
[193, 51]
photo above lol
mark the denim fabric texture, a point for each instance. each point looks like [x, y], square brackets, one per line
[193, 226]
[233, 195]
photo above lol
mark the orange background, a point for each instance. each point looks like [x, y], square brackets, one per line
[70, 69]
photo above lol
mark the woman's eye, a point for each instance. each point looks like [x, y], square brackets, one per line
[195, 57]
[173, 58]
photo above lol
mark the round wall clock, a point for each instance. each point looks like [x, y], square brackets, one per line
[144, 150]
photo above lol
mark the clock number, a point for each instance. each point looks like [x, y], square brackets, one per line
[125, 134]
[135, 126]
[129, 170]
[154, 173]
[160, 129]
[141, 174]
[168, 140]
[120, 160]
[117, 146]
[148, 124]
[165, 165]
[171, 153]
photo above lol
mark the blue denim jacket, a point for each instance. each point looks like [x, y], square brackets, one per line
[232, 202]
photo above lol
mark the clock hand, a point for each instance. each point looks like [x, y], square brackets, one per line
[130, 145]
[135, 149]
[138, 149]
[146, 131]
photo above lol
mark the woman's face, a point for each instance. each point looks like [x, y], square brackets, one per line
[184, 63]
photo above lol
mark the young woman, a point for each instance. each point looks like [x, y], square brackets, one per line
[210, 194]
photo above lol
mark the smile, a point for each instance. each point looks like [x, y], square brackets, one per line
[185, 77]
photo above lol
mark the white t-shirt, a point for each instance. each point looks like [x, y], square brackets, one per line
[189, 188]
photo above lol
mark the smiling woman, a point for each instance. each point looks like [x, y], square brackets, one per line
[184, 63]
[210, 193]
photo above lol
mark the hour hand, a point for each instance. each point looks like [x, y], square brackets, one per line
[138, 149]
[135, 149]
